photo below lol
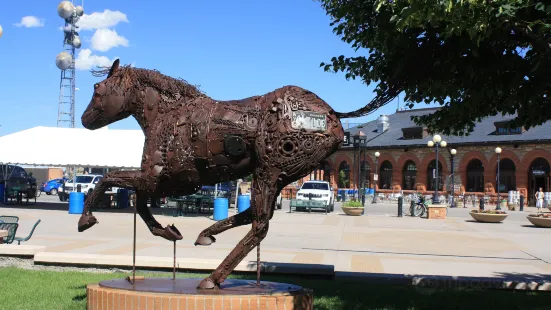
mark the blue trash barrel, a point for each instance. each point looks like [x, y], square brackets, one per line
[243, 203]
[76, 203]
[221, 206]
[2, 188]
[371, 191]
[122, 198]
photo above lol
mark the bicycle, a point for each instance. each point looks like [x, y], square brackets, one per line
[420, 208]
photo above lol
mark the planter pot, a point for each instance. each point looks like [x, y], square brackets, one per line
[539, 221]
[353, 211]
[488, 217]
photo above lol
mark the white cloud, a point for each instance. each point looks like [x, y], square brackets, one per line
[30, 22]
[97, 20]
[105, 39]
[86, 60]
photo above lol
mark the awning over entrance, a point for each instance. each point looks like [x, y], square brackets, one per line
[53, 146]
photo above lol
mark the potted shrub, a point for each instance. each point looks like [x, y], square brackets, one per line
[353, 207]
[540, 219]
[488, 216]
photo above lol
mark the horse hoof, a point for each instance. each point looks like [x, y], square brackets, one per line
[170, 232]
[207, 284]
[86, 221]
[205, 240]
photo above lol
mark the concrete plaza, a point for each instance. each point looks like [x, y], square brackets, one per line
[376, 243]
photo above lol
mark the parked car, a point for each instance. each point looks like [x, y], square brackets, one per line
[87, 184]
[317, 190]
[13, 176]
[52, 186]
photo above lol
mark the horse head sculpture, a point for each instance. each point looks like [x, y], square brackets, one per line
[109, 103]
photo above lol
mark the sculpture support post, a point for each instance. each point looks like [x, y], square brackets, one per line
[134, 251]
[174, 266]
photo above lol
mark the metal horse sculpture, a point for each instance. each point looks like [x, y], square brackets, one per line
[191, 140]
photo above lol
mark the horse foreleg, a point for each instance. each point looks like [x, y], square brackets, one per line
[127, 179]
[240, 219]
[262, 201]
[170, 232]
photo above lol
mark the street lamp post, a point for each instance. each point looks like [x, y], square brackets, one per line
[452, 153]
[363, 142]
[435, 142]
[355, 144]
[375, 177]
[498, 152]
[359, 141]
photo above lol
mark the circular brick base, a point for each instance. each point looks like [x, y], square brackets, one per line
[163, 293]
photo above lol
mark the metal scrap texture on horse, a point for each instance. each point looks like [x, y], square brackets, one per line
[193, 140]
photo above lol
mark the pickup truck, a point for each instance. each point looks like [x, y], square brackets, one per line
[87, 184]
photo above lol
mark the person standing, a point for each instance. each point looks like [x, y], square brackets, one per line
[539, 199]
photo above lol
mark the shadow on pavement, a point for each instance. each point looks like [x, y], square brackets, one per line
[61, 206]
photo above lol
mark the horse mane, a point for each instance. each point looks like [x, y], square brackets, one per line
[153, 78]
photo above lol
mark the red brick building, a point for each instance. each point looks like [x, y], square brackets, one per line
[407, 164]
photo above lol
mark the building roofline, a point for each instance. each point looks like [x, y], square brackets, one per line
[477, 143]
[417, 110]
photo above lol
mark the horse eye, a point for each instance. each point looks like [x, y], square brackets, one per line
[96, 86]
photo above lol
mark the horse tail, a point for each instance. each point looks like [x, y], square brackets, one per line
[372, 106]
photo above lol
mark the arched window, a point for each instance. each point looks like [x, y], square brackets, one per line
[431, 176]
[410, 174]
[507, 175]
[385, 178]
[365, 172]
[475, 176]
[344, 175]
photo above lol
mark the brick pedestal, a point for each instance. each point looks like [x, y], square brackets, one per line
[162, 293]
[437, 212]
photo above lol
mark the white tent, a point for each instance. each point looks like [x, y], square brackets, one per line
[53, 146]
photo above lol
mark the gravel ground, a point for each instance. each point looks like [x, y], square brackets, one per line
[27, 263]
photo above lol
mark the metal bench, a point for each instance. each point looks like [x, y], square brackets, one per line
[308, 204]
[9, 219]
[11, 228]
[23, 239]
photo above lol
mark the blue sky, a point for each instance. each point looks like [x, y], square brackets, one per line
[233, 49]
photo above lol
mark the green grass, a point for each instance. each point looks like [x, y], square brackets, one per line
[30, 289]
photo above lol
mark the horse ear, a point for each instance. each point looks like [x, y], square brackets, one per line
[114, 67]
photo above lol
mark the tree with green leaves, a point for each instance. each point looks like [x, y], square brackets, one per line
[343, 177]
[475, 58]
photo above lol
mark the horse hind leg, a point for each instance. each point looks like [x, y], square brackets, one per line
[262, 200]
[206, 237]
[170, 232]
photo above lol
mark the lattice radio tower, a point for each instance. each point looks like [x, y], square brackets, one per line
[65, 61]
